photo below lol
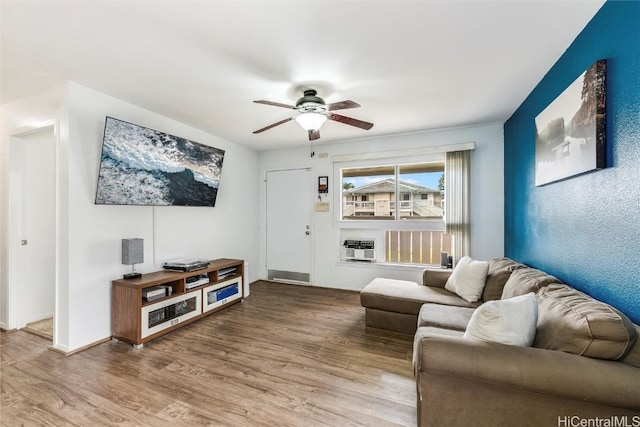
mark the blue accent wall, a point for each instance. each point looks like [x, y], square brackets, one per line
[584, 230]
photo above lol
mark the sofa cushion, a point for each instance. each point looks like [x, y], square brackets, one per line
[510, 321]
[435, 276]
[468, 279]
[525, 280]
[390, 320]
[633, 356]
[499, 272]
[573, 322]
[444, 316]
[407, 297]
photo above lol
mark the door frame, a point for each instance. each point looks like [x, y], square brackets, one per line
[311, 220]
[13, 318]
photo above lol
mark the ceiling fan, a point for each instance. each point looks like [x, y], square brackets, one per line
[314, 112]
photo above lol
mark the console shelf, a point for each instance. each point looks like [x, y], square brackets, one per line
[189, 296]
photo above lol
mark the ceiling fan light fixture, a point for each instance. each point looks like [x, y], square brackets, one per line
[311, 121]
[313, 112]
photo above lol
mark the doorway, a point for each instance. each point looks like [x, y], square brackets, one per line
[32, 231]
[289, 213]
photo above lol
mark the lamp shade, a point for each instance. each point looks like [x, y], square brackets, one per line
[311, 121]
[132, 251]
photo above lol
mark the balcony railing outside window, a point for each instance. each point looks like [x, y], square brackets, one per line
[416, 209]
[416, 246]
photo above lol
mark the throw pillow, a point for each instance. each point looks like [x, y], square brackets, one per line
[510, 321]
[576, 323]
[468, 279]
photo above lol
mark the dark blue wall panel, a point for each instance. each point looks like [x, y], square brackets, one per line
[584, 230]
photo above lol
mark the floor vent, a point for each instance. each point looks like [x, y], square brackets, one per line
[288, 277]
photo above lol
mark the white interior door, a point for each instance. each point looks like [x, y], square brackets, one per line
[289, 210]
[32, 227]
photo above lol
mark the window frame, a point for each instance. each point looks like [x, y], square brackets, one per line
[384, 224]
[372, 228]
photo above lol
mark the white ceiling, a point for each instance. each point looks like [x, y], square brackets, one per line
[412, 65]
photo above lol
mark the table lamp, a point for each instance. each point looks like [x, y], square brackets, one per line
[132, 254]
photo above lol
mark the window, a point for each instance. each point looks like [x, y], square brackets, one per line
[418, 186]
[406, 230]
[402, 202]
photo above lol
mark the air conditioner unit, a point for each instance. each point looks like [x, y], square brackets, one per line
[359, 250]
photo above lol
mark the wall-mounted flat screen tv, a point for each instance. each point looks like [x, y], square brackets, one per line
[142, 166]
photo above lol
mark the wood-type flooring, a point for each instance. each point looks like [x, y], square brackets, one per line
[286, 356]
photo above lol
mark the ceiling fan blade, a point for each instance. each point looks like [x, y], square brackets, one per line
[342, 105]
[273, 125]
[350, 121]
[314, 134]
[275, 104]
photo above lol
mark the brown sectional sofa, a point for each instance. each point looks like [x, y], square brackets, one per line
[584, 363]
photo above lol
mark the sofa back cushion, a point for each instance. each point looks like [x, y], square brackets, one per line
[499, 272]
[573, 322]
[525, 280]
[633, 357]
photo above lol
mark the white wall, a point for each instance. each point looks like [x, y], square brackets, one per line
[90, 235]
[486, 200]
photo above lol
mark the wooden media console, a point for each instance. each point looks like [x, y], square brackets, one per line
[160, 302]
